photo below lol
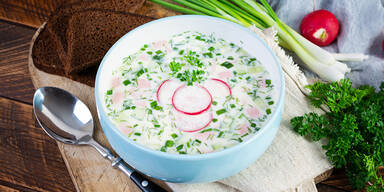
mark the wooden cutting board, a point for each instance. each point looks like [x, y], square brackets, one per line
[88, 170]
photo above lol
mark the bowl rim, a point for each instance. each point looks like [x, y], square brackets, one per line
[192, 157]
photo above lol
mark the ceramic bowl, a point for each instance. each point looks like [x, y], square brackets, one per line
[189, 168]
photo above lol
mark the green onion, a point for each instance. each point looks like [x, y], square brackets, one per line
[261, 15]
[174, 135]
[221, 111]
[169, 143]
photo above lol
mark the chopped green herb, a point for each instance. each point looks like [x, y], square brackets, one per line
[169, 143]
[214, 120]
[253, 125]
[149, 52]
[175, 66]
[109, 92]
[158, 52]
[214, 103]
[208, 55]
[157, 126]
[155, 106]
[220, 134]
[140, 72]
[211, 49]
[230, 58]
[182, 152]
[181, 52]
[137, 134]
[197, 141]
[174, 135]
[268, 111]
[179, 147]
[268, 81]
[232, 105]
[227, 64]
[270, 103]
[221, 111]
[206, 130]
[127, 82]
[163, 149]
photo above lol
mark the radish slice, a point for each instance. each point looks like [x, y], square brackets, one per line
[191, 100]
[192, 123]
[218, 88]
[165, 91]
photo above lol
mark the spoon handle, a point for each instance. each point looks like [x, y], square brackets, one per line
[144, 184]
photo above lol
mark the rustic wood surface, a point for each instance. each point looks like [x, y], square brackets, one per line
[29, 160]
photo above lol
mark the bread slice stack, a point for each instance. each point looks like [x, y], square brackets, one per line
[78, 35]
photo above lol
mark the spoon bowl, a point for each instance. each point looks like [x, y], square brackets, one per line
[63, 116]
[67, 119]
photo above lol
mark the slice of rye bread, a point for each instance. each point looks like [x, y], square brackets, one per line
[93, 32]
[46, 58]
[44, 54]
[57, 23]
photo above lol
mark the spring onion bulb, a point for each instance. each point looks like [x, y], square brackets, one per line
[250, 12]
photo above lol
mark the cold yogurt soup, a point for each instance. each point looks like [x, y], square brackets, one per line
[191, 94]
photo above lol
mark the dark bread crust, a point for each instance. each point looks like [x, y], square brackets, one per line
[94, 29]
[57, 23]
[91, 38]
[45, 55]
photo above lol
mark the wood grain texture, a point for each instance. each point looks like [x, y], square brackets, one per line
[28, 12]
[14, 45]
[89, 171]
[337, 182]
[29, 160]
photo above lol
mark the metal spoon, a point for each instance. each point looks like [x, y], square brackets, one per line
[67, 119]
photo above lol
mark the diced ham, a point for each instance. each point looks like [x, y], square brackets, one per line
[253, 112]
[243, 129]
[261, 83]
[144, 57]
[143, 83]
[226, 74]
[117, 97]
[125, 128]
[139, 103]
[116, 82]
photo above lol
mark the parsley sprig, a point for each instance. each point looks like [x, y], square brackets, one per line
[354, 128]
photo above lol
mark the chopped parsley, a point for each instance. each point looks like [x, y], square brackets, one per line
[109, 92]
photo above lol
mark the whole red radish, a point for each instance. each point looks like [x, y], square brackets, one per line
[320, 27]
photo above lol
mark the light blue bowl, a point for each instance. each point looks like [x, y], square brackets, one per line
[189, 168]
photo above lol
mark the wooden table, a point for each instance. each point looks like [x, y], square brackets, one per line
[29, 159]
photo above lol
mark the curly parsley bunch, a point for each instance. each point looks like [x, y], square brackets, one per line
[354, 128]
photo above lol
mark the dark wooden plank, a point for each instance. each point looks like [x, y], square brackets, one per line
[338, 180]
[14, 45]
[29, 159]
[28, 12]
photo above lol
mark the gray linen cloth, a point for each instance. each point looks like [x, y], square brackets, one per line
[361, 31]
